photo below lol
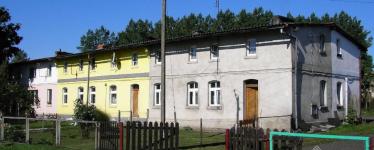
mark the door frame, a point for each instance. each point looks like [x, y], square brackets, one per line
[254, 84]
[132, 99]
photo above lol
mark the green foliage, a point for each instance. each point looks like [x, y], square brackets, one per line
[352, 116]
[92, 39]
[8, 36]
[15, 134]
[19, 56]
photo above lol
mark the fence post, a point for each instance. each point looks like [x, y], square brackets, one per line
[120, 126]
[96, 135]
[371, 143]
[58, 136]
[27, 130]
[227, 139]
[147, 115]
[119, 116]
[201, 131]
[1, 127]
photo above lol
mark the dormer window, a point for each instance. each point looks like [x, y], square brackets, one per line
[214, 52]
[338, 49]
[114, 61]
[322, 44]
[65, 67]
[251, 47]
[158, 57]
[81, 65]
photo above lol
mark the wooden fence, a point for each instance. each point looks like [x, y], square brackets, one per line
[136, 135]
[243, 137]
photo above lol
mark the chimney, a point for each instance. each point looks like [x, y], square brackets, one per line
[100, 47]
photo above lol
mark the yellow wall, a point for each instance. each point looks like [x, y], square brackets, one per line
[103, 68]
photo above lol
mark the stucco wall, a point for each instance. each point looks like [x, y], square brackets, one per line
[271, 67]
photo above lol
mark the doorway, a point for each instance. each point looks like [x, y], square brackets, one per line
[250, 101]
[135, 99]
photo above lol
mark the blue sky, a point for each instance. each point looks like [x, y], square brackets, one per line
[49, 25]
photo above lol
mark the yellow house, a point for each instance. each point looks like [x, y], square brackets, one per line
[112, 80]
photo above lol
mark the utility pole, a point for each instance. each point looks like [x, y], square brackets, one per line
[163, 79]
[88, 78]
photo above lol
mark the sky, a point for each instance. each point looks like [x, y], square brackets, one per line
[49, 25]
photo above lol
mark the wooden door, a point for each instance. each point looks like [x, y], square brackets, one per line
[135, 95]
[251, 103]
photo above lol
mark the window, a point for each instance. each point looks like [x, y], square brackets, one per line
[338, 50]
[192, 54]
[214, 52]
[134, 59]
[35, 98]
[251, 47]
[81, 65]
[113, 94]
[49, 96]
[157, 96]
[65, 67]
[49, 71]
[214, 93]
[322, 44]
[93, 64]
[323, 96]
[339, 93]
[192, 94]
[158, 57]
[64, 95]
[32, 73]
[114, 61]
[80, 94]
[92, 95]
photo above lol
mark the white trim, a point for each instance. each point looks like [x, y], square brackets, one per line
[65, 93]
[216, 92]
[195, 94]
[157, 94]
[190, 58]
[111, 93]
[92, 93]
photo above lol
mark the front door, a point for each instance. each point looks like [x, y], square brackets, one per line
[251, 103]
[135, 93]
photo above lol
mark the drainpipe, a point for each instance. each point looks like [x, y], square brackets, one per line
[295, 41]
[346, 97]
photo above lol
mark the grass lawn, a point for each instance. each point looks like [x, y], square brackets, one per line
[368, 113]
[71, 139]
[353, 130]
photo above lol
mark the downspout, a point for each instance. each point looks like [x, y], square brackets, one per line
[294, 41]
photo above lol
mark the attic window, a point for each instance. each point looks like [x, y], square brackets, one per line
[338, 49]
[214, 52]
[322, 49]
[114, 61]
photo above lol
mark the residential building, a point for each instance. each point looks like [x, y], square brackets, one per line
[112, 80]
[41, 77]
[280, 75]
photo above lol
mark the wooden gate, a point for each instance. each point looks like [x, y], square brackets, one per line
[108, 136]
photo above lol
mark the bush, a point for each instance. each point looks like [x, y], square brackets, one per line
[15, 134]
[88, 113]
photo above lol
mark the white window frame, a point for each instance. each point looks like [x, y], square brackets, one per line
[339, 93]
[158, 57]
[157, 94]
[193, 50]
[212, 56]
[251, 48]
[49, 96]
[217, 93]
[92, 93]
[338, 48]
[49, 70]
[64, 95]
[323, 93]
[134, 59]
[80, 94]
[113, 63]
[111, 93]
[194, 91]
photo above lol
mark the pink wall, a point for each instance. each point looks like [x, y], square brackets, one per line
[42, 94]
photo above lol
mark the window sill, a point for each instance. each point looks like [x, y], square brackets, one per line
[213, 60]
[156, 107]
[49, 105]
[192, 107]
[135, 67]
[215, 107]
[250, 57]
[64, 104]
[113, 106]
[192, 62]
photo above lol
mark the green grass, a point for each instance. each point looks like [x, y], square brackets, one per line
[353, 130]
[71, 139]
[368, 113]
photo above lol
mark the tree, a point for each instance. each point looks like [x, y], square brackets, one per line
[19, 56]
[8, 36]
[15, 99]
[92, 39]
